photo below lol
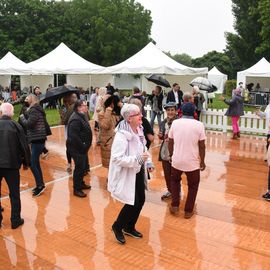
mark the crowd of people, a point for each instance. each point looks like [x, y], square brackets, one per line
[124, 136]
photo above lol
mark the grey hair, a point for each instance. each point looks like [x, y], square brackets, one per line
[187, 96]
[136, 101]
[7, 109]
[102, 91]
[196, 89]
[129, 109]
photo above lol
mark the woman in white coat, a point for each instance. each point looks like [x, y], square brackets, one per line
[127, 171]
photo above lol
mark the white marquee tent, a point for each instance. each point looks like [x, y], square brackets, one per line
[62, 60]
[11, 65]
[150, 60]
[218, 79]
[258, 73]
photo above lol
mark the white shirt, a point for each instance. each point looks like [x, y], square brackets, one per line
[176, 96]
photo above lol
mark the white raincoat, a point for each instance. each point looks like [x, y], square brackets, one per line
[125, 163]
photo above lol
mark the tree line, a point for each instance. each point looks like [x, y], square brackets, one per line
[107, 32]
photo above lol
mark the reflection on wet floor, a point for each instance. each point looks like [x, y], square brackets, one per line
[231, 229]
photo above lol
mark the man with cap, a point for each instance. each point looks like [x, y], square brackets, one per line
[187, 149]
[164, 155]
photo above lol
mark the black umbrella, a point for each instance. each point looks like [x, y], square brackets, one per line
[158, 79]
[203, 84]
[58, 92]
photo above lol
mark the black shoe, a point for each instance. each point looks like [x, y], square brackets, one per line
[16, 224]
[266, 196]
[85, 186]
[133, 233]
[38, 190]
[119, 236]
[79, 193]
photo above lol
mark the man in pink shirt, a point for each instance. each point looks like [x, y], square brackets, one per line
[187, 148]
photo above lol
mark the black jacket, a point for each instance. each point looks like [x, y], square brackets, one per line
[171, 97]
[159, 98]
[34, 121]
[14, 148]
[79, 134]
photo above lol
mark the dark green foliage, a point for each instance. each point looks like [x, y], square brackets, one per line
[229, 86]
[104, 32]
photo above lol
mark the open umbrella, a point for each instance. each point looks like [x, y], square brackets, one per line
[204, 84]
[58, 92]
[158, 79]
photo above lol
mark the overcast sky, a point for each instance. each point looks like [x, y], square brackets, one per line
[194, 27]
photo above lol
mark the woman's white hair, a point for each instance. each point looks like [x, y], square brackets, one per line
[196, 89]
[129, 109]
[7, 109]
[102, 91]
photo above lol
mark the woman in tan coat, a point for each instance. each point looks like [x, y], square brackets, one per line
[108, 119]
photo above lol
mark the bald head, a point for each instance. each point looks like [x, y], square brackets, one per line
[6, 109]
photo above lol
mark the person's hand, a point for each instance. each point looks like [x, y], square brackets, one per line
[144, 156]
[222, 98]
[202, 166]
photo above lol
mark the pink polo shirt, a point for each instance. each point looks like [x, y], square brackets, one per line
[186, 133]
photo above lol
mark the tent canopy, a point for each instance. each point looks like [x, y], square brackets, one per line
[217, 78]
[149, 60]
[62, 60]
[11, 65]
[260, 69]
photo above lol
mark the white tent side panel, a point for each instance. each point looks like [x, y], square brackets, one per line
[219, 81]
[86, 81]
[5, 80]
[127, 81]
[41, 80]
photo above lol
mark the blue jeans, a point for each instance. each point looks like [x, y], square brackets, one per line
[153, 116]
[36, 150]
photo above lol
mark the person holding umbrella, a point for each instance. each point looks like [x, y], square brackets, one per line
[156, 103]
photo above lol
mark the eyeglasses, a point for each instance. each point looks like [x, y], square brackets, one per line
[137, 114]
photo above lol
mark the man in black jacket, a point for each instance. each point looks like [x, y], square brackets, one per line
[156, 104]
[175, 95]
[79, 140]
[14, 152]
[37, 130]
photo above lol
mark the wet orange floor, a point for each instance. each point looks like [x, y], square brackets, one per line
[231, 229]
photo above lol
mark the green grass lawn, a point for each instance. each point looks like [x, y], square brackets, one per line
[52, 115]
[219, 104]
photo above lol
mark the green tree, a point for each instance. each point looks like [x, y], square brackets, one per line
[242, 46]
[103, 31]
[264, 11]
[214, 58]
[182, 58]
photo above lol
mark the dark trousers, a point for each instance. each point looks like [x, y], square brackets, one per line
[78, 173]
[36, 150]
[129, 214]
[193, 179]
[12, 177]
[167, 166]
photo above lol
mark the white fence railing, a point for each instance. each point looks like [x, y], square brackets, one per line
[217, 120]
